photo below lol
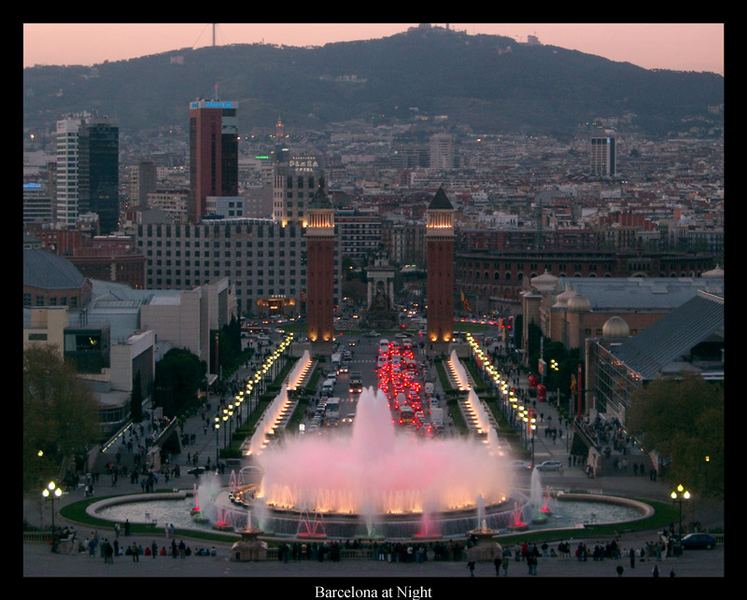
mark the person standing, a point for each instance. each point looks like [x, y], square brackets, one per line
[154, 548]
[471, 567]
[506, 561]
[632, 558]
[655, 571]
[135, 553]
[497, 562]
[620, 570]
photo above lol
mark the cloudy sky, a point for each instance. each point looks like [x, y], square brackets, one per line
[682, 47]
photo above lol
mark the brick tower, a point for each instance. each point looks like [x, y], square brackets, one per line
[439, 235]
[320, 270]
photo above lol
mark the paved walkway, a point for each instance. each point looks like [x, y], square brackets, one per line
[40, 562]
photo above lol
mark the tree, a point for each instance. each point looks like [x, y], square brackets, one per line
[178, 377]
[60, 416]
[683, 419]
[136, 400]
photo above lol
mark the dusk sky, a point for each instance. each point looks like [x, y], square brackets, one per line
[682, 47]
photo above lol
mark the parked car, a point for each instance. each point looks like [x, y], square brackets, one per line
[693, 541]
[550, 465]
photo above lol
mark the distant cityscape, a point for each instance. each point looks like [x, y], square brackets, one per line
[588, 267]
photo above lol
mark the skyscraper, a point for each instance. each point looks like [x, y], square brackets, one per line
[67, 170]
[98, 172]
[439, 234]
[213, 153]
[603, 157]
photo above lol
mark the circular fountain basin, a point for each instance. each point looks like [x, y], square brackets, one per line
[570, 511]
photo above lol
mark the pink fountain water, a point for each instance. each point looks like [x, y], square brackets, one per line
[517, 518]
[374, 471]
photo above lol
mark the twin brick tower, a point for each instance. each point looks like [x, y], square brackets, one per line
[320, 248]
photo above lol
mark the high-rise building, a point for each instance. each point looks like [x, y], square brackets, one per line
[213, 153]
[439, 234]
[98, 172]
[442, 151]
[67, 170]
[295, 181]
[320, 252]
[603, 157]
[143, 180]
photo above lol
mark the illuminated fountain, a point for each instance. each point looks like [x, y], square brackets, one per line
[197, 514]
[517, 519]
[536, 499]
[380, 479]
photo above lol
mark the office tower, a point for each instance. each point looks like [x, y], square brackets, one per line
[98, 172]
[442, 151]
[320, 253]
[439, 234]
[213, 153]
[603, 157]
[143, 181]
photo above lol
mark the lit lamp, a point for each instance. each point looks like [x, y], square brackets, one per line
[216, 425]
[52, 492]
[678, 495]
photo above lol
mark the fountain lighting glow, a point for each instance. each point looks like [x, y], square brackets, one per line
[374, 471]
[457, 371]
[270, 421]
[299, 371]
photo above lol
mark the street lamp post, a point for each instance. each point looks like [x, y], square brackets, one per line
[52, 491]
[217, 442]
[678, 495]
[225, 425]
[532, 428]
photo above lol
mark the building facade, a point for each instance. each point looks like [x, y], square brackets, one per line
[98, 172]
[143, 181]
[603, 157]
[213, 153]
[265, 262]
[296, 178]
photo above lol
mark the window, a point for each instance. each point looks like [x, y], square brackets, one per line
[27, 299]
[40, 300]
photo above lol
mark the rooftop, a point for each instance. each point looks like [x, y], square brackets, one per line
[655, 349]
[44, 270]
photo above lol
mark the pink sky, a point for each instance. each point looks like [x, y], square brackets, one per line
[682, 47]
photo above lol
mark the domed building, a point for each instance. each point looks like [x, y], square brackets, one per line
[579, 303]
[615, 327]
[574, 310]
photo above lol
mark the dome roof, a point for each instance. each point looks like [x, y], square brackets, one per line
[561, 300]
[615, 327]
[718, 272]
[579, 303]
[545, 282]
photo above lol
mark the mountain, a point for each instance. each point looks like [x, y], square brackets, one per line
[491, 83]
